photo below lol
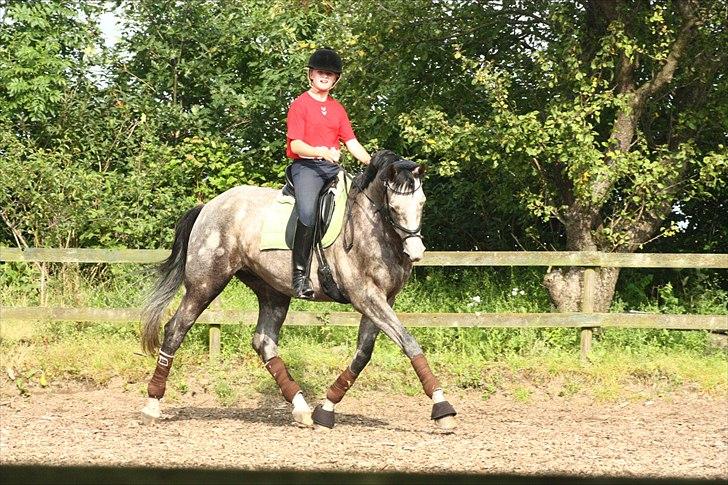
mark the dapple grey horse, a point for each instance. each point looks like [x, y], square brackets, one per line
[370, 262]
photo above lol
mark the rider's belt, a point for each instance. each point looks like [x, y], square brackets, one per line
[309, 160]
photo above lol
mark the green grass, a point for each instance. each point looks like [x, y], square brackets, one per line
[514, 362]
[87, 353]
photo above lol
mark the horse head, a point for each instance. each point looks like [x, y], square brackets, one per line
[403, 198]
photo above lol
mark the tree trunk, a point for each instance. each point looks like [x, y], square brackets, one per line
[582, 217]
[565, 288]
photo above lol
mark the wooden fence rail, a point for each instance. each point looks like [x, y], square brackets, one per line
[586, 320]
[432, 258]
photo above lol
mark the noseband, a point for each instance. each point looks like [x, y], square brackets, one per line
[388, 214]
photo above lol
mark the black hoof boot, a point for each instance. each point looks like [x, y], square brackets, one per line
[323, 417]
[441, 409]
[302, 247]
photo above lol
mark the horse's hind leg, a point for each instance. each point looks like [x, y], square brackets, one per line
[197, 297]
[272, 311]
[324, 413]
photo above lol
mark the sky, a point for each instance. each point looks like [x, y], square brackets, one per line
[109, 24]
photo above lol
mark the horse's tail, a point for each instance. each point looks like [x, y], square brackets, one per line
[171, 273]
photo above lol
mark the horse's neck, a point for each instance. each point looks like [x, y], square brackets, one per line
[367, 222]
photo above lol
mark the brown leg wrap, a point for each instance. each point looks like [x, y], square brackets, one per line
[278, 370]
[427, 378]
[158, 384]
[340, 386]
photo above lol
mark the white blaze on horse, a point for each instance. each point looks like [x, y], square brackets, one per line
[370, 263]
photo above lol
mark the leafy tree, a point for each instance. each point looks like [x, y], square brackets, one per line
[46, 49]
[584, 125]
[223, 71]
[624, 116]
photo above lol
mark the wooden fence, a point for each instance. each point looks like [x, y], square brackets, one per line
[585, 320]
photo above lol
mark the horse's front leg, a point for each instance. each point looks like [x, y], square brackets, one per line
[324, 413]
[383, 316]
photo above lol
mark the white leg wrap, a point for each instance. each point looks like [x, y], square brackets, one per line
[301, 410]
[299, 402]
[328, 405]
[438, 395]
[152, 409]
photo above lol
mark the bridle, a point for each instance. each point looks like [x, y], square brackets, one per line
[388, 214]
[325, 273]
[384, 211]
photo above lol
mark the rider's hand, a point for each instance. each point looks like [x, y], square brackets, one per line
[336, 154]
[329, 154]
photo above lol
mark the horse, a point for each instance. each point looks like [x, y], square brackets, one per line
[371, 261]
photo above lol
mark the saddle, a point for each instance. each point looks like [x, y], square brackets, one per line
[281, 217]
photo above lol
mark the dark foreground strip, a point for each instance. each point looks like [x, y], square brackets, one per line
[26, 475]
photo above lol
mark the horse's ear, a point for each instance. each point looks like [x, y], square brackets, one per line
[419, 170]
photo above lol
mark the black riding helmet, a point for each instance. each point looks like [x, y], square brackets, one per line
[325, 60]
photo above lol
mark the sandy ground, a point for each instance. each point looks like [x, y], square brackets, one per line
[685, 435]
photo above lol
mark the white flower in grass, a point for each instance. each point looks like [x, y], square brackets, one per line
[474, 300]
[517, 291]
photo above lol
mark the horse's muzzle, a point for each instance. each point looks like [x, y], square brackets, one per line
[414, 248]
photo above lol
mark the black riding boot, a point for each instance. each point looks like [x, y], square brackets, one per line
[302, 246]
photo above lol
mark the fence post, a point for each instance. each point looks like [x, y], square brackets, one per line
[214, 331]
[587, 306]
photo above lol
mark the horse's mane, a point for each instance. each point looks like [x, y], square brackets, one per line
[380, 165]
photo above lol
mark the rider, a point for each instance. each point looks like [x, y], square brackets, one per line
[316, 125]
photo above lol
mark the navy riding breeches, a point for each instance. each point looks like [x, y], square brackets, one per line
[309, 177]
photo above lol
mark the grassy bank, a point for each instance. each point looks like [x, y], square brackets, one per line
[519, 362]
[98, 355]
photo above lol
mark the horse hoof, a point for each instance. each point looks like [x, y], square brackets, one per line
[302, 417]
[323, 417]
[148, 420]
[151, 412]
[448, 423]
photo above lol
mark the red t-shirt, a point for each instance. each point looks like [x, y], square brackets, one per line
[317, 123]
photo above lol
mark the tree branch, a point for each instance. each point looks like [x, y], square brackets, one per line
[626, 122]
[19, 239]
[648, 221]
[664, 76]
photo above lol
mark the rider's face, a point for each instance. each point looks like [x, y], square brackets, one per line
[323, 80]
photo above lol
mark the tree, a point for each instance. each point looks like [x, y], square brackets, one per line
[582, 125]
[622, 117]
[223, 71]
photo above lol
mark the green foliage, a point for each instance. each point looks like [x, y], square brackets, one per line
[519, 109]
[44, 48]
[558, 146]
